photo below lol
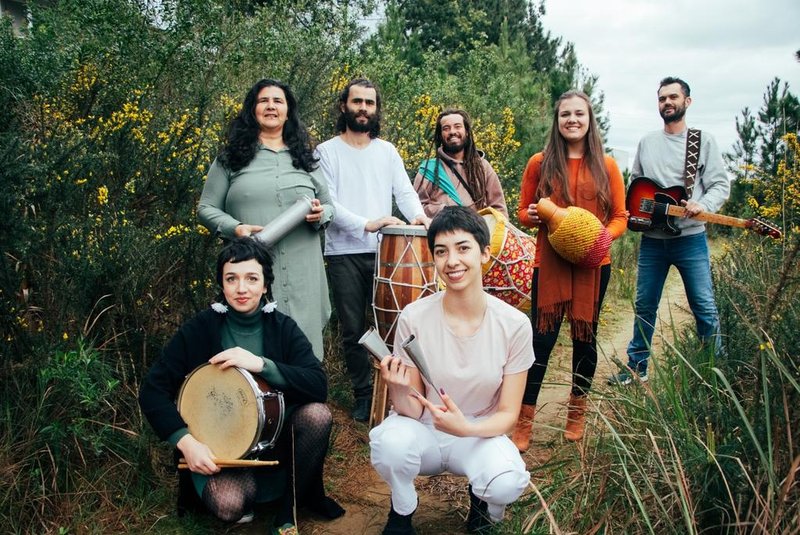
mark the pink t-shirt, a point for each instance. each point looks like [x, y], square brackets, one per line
[469, 369]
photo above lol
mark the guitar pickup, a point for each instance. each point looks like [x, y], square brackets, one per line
[646, 206]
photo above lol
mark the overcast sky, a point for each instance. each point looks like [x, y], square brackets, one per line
[727, 51]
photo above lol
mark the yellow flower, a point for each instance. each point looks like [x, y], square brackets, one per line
[65, 336]
[102, 195]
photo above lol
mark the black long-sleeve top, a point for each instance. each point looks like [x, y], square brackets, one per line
[199, 339]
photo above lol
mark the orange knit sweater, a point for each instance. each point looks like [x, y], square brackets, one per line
[617, 223]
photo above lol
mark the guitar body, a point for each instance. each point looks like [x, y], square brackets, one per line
[644, 192]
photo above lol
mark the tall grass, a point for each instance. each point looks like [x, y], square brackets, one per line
[712, 443]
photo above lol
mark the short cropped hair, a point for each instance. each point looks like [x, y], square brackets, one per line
[453, 218]
[241, 250]
[669, 80]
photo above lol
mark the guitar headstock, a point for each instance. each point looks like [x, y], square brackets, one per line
[764, 228]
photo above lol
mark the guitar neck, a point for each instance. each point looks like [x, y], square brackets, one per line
[709, 217]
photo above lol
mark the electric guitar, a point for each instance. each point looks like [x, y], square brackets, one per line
[652, 207]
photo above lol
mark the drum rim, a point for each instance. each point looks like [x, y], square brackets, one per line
[262, 416]
[404, 230]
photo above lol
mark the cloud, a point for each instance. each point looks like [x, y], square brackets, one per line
[728, 51]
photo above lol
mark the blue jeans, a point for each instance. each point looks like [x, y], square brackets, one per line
[690, 255]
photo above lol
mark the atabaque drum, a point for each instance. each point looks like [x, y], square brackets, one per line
[508, 275]
[234, 412]
[404, 272]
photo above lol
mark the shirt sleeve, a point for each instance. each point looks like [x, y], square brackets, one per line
[527, 192]
[405, 196]
[494, 190]
[347, 221]
[324, 197]
[714, 179]
[520, 349]
[421, 186]
[618, 220]
[211, 208]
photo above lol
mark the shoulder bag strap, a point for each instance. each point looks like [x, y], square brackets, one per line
[460, 178]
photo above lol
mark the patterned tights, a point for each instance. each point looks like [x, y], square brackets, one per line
[231, 493]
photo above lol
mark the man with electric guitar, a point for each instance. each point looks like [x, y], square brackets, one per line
[675, 158]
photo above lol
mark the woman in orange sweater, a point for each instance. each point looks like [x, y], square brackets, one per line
[572, 171]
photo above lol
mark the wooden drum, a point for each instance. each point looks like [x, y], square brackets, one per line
[404, 272]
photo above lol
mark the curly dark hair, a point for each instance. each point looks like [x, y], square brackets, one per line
[242, 138]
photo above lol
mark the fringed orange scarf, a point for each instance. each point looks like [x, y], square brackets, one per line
[565, 289]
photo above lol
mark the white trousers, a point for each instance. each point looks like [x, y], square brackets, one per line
[403, 448]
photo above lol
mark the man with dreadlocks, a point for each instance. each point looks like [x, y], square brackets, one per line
[459, 175]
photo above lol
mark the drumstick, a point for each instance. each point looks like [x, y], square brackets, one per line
[231, 463]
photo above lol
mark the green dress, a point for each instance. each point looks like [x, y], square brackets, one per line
[256, 195]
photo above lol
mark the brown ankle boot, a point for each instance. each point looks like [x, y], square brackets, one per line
[576, 418]
[521, 437]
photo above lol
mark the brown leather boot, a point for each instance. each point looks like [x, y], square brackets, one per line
[576, 418]
[521, 437]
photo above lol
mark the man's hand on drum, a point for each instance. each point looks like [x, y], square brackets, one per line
[376, 224]
[422, 219]
[448, 418]
[199, 457]
[237, 356]
[533, 214]
[316, 212]
[242, 230]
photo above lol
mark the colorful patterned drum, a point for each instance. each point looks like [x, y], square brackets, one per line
[508, 275]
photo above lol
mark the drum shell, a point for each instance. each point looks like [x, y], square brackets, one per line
[235, 413]
[404, 272]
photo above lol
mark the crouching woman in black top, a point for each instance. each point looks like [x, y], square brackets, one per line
[243, 329]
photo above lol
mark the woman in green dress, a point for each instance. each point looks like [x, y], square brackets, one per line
[265, 166]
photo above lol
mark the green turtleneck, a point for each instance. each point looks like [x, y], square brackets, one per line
[247, 331]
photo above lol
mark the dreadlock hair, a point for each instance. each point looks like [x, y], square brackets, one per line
[242, 139]
[554, 164]
[475, 174]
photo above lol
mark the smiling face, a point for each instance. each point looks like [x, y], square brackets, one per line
[458, 258]
[271, 109]
[454, 133]
[573, 120]
[243, 285]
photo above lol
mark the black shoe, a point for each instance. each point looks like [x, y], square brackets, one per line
[399, 524]
[361, 409]
[478, 520]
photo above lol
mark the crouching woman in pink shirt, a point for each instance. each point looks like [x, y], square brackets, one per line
[477, 352]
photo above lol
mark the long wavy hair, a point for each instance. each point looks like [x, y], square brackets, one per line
[554, 165]
[341, 122]
[242, 138]
[476, 176]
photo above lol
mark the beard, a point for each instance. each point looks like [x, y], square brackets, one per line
[351, 120]
[455, 146]
[677, 114]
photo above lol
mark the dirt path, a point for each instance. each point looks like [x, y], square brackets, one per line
[443, 499]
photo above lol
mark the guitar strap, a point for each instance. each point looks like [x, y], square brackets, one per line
[692, 156]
